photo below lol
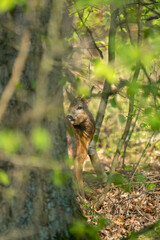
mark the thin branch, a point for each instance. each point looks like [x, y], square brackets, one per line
[142, 155]
[127, 26]
[129, 137]
[87, 17]
[152, 10]
[91, 36]
[151, 18]
[150, 82]
[16, 73]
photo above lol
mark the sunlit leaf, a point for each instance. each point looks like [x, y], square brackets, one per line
[83, 90]
[133, 88]
[128, 54]
[10, 141]
[103, 70]
[41, 139]
[4, 179]
[87, 3]
[6, 5]
[151, 186]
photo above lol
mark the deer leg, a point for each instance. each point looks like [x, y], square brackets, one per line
[79, 175]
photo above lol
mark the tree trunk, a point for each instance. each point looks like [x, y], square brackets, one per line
[39, 203]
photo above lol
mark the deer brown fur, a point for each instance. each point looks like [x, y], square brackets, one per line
[82, 124]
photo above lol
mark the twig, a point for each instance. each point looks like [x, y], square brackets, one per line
[16, 74]
[129, 137]
[87, 17]
[149, 80]
[142, 155]
[128, 199]
[127, 26]
[152, 10]
[91, 35]
[151, 18]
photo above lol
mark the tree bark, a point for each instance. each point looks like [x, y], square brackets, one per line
[43, 204]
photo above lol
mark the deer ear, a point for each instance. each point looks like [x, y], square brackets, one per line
[70, 96]
[86, 101]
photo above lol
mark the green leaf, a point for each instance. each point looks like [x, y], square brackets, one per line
[154, 121]
[143, 125]
[113, 102]
[129, 168]
[122, 118]
[78, 229]
[19, 85]
[121, 181]
[96, 138]
[59, 177]
[148, 32]
[140, 178]
[104, 70]
[133, 88]
[83, 90]
[87, 3]
[6, 5]
[10, 141]
[33, 84]
[41, 139]
[151, 186]
[103, 222]
[4, 179]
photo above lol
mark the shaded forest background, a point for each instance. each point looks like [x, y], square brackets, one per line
[107, 52]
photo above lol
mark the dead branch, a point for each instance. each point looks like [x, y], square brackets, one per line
[142, 155]
[129, 137]
[91, 36]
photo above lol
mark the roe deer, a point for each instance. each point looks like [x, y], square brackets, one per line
[82, 123]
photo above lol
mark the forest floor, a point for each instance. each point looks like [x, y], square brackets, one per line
[124, 211]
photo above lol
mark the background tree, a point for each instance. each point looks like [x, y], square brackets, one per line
[36, 188]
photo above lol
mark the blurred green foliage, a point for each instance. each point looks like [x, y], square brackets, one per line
[140, 178]
[60, 177]
[11, 141]
[149, 232]
[6, 5]
[86, 3]
[105, 71]
[4, 179]
[120, 181]
[41, 139]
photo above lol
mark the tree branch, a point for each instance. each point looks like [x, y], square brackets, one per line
[91, 36]
[16, 73]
